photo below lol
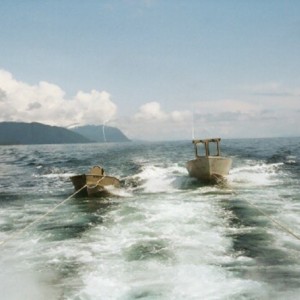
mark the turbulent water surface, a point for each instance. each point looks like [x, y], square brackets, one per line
[162, 235]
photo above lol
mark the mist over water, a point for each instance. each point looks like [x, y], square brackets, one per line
[162, 235]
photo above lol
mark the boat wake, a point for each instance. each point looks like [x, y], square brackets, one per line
[161, 235]
[255, 173]
[159, 179]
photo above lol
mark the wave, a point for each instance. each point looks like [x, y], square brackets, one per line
[159, 179]
[253, 173]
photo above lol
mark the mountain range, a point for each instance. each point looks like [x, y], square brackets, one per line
[20, 133]
[101, 133]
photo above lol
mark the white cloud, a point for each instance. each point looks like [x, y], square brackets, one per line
[46, 103]
[151, 122]
[266, 110]
[151, 111]
[269, 111]
[180, 116]
[226, 105]
[274, 95]
[227, 118]
[271, 89]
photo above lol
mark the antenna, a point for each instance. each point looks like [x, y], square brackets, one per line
[193, 121]
[103, 132]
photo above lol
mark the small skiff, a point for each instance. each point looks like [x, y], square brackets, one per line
[208, 167]
[95, 183]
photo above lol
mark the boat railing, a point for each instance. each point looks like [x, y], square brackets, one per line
[206, 143]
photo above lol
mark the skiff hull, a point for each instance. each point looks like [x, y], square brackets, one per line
[94, 185]
[209, 168]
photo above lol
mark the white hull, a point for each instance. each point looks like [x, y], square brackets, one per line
[209, 168]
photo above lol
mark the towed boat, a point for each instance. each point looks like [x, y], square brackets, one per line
[208, 167]
[94, 183]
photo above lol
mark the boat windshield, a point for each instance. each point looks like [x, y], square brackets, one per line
[209, 147]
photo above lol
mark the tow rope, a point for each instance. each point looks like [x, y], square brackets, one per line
[40, 218]
[278, 224]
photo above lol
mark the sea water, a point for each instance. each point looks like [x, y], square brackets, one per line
[162, 235]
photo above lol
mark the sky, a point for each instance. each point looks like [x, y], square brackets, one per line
[156, 69]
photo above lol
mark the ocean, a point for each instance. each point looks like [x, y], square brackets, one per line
[162, 235]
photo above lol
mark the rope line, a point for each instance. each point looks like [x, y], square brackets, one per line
[41, 217]
[94, 186]
[279, 225]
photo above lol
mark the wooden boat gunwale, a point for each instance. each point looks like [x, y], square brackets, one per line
[96, 182]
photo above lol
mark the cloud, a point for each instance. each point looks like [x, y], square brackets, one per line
[150, 111]
[152, 122]
[272, 113]
[271, 89]
[227, 118]
[2, 95]
[252, 115]
[274, 94]
[226, 105]
[46, 103]
[34, 105]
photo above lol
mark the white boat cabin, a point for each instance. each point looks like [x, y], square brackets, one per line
[207, 147]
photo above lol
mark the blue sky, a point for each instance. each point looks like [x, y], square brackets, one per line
[152, 67]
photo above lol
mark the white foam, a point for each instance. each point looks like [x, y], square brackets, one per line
[120, 192]
[25, 284]
[156, 179]
[53, 175]
[262, 174]
[192, 234]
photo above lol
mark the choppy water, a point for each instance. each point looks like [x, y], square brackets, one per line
[162, 235]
